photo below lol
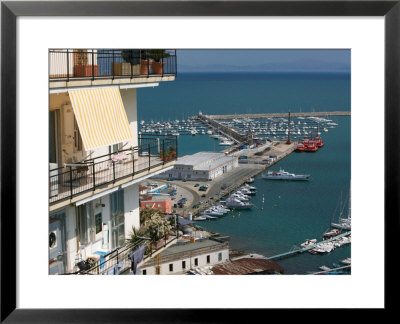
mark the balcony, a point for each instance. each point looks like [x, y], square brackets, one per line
[97, 67]
[152, 153]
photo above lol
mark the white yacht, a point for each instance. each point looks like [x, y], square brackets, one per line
[226, 142]
[283, 175]
[237, 204]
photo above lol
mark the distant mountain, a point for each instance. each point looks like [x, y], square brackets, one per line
[281, 67]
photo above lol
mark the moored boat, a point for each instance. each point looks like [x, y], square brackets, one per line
[284, 175]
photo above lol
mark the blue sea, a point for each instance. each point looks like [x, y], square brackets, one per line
[292, 211]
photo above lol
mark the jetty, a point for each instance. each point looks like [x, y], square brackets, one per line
[304, 249]
[222, 129]
[271, 115]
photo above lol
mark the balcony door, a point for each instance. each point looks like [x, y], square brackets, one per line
[117, 219]
[54, 138]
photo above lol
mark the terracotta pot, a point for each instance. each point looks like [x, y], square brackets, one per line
[157, 67]
[86, 70]
[144, 66]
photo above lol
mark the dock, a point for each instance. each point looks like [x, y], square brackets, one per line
[222, 129]
[310, 247]
[271, 115]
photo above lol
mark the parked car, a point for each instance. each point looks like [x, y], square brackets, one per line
[203, 195]
[196, 185]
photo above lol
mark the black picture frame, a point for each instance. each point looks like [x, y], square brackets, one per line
[10, 10]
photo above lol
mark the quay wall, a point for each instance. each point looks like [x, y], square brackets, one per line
[239, 182]
[294, 114]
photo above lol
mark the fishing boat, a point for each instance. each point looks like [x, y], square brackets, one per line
[324, 268]
[250, 180]
[284, 175]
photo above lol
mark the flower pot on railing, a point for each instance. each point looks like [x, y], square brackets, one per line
[158, 244]
[157, 67]
[144, 66]
[121, 68]
[86, 70]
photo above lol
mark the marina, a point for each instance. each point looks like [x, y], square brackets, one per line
[284, 213]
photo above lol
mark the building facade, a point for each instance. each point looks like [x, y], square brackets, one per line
[182, 258]
[160, 202]
[96, 159]
[202, 166]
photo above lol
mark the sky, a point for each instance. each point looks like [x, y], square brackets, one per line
[243, 60]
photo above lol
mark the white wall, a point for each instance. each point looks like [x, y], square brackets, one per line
[131, 202]
[177, 265]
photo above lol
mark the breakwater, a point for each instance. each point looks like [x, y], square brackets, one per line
[271, 115]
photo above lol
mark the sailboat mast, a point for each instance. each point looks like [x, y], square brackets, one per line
[288, 141]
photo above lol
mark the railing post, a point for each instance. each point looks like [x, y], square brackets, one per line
[94, 176]
[149, 155]
[113, 164]
[70, 179]
[176, 147]
[133, 161]
[163, 151]
[92, 64]
[67, 65]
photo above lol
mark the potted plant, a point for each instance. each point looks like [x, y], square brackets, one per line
[81, 66]
[168, 156]
[157, 56]
[132, 59]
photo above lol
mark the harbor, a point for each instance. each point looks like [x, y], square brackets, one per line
[204, 208]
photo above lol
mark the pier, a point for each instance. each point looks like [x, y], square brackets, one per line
[270, 115]
[222, 129]
[310, 247]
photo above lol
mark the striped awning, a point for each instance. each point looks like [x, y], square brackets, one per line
[101, 116]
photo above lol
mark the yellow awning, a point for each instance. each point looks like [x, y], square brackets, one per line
[101, 116]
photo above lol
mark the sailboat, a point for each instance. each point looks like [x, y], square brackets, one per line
[344, 223]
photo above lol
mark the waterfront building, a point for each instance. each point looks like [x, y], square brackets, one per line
[201, 166]
[182, 258]
[96, 157]
[160, 202]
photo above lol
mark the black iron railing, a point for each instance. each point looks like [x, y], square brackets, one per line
[71, 180]
[66, 64]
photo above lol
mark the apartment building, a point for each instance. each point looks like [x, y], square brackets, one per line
[96, 159]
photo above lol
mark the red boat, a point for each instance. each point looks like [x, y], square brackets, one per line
[311, 147]
[300, 147]
[318, 139]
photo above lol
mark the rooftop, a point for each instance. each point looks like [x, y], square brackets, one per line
[204, 160]
[247, 266]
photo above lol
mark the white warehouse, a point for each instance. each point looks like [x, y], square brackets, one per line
[201, 166]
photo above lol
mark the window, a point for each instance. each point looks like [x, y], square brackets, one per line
[117, 218]
[208, 259]
[220, 256]
[82, 224]
[144, 272]
[183, 264]
[77, 137]
[171, 267]
[196, 262]
[98, 223]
